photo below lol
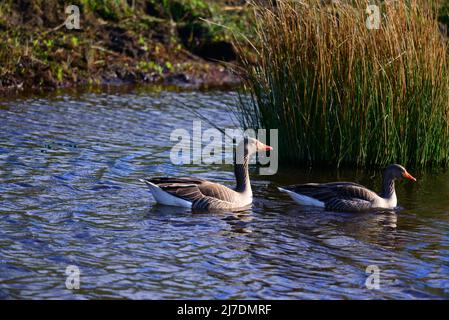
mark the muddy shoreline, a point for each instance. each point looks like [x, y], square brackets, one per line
[181, 44]
[220, 78]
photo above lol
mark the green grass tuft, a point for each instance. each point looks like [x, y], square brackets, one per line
[341, 94]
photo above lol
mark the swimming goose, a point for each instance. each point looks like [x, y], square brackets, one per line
[348, 196]
[202, 194]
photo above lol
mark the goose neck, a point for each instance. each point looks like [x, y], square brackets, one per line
[388, 189]
[242, 175]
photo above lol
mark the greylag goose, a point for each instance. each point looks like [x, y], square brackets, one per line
[202, 194]
[348, 196]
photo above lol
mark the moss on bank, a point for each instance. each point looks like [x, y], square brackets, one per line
[157, 41]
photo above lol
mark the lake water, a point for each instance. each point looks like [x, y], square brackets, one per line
[70, 195]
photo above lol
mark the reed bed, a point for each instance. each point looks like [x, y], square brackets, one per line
[343, 94]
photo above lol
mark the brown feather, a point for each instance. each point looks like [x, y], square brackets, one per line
[202, 193]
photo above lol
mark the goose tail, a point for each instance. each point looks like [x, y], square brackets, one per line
[303, 199]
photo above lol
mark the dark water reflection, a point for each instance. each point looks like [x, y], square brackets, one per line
[70, 195]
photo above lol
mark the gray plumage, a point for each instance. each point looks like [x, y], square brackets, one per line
[349, 196]
[201, 193]
[341, 196]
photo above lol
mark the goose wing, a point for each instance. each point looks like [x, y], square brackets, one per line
[327, 191]
[346, 196]
[194, 189]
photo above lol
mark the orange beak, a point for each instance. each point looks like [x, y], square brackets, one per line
[264, 147]
[408, 176]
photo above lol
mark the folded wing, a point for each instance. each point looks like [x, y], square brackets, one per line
[345, 196]
[201, 193]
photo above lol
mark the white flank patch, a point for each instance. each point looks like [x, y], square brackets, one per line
[166, 198]
[387, 203]
[302, 199]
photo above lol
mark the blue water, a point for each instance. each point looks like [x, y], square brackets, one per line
[70, 195]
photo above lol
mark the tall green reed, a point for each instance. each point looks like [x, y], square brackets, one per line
[343, 94]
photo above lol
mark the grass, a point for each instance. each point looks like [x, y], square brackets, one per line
[341, 94]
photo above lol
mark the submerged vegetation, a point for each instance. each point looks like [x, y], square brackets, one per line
[343, 94]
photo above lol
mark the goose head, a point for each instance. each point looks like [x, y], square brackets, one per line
[397, 172]
[250, 146]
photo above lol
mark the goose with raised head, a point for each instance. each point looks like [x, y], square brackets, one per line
[202, 194]
[348, 196]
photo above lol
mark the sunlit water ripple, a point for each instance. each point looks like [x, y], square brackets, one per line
[70, 195]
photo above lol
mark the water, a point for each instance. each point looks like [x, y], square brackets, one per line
[70, 195]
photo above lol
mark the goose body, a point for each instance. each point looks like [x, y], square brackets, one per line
[202, 194]
[197, 193]
[349, 196]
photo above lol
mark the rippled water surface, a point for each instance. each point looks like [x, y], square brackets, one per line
[70, 195]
